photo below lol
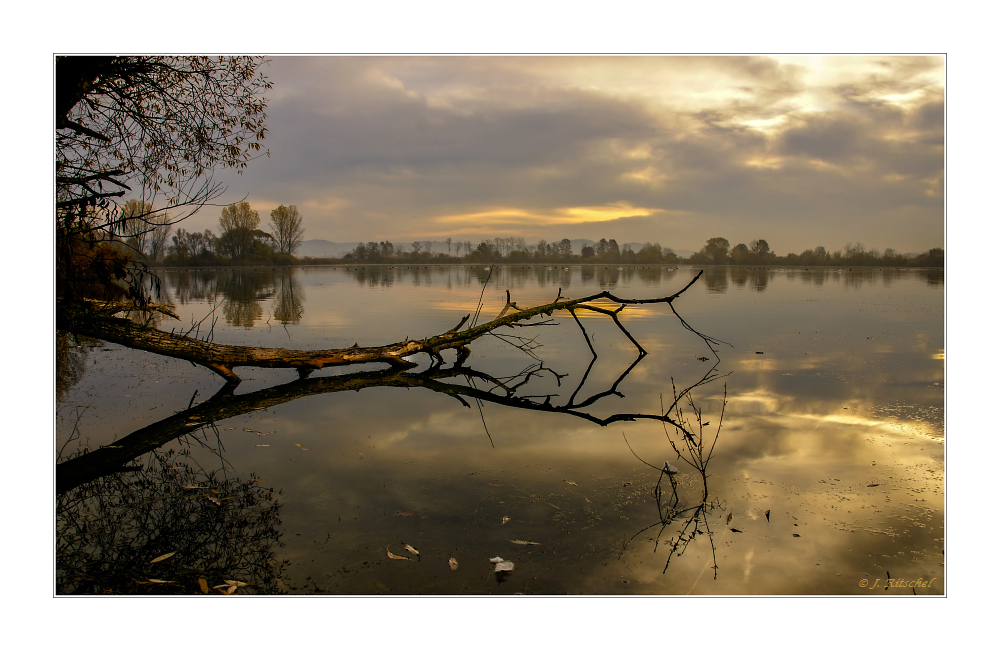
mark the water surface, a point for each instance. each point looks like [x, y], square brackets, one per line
[827, 474]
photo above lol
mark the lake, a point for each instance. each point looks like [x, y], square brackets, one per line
[815, 437]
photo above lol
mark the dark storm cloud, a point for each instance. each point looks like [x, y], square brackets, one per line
[824, 139]
[803, 152]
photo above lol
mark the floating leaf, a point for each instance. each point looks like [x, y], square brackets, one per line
[729, 518]
[394, 557]
[767, 514]
[262, 445]
[411, 549]
[795, 535]
[403, 514]
[157, 580]
[672, 469]
[505, 566]
[504, 520]
[735, 530]
[192, 486]
[203, 584]
[494, 485]
[571, 483]
[496, 559]
[229, 428]
[524, 542]
[232, 589]
[163, 558]
[299, 445]
[212, 499]
[452, 563]
[238, 584]
[872, 485]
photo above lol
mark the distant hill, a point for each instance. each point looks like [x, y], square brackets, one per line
[324, 249]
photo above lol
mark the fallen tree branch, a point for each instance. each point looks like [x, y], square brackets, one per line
[222, 358]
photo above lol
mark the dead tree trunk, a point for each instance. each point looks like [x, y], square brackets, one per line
[222, 358]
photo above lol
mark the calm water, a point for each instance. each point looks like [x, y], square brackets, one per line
[827, 471]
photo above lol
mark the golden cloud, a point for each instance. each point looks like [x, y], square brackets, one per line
[560, 216]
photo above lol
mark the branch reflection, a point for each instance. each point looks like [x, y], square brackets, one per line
[694, 447]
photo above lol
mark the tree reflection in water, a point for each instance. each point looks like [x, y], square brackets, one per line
[289, 299]
[242, 291]
[221, 531]
[71, 360]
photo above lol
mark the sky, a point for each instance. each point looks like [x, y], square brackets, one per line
[802, 151]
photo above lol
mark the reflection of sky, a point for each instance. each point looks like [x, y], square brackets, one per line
[847, 394]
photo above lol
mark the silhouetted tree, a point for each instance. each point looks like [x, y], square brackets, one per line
[238, 230]
[716, 249]
[286, 228]
[158, 236]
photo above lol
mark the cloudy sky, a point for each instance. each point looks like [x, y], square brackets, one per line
[802, 151]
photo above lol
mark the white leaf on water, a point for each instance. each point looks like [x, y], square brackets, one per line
[452, 563]
[496, 559]
[411, 549]
[524, 542]
[672, 469]
[505, 566]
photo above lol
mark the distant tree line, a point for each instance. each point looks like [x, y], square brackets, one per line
[505, 249]
[717, 251]
[241, 241]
